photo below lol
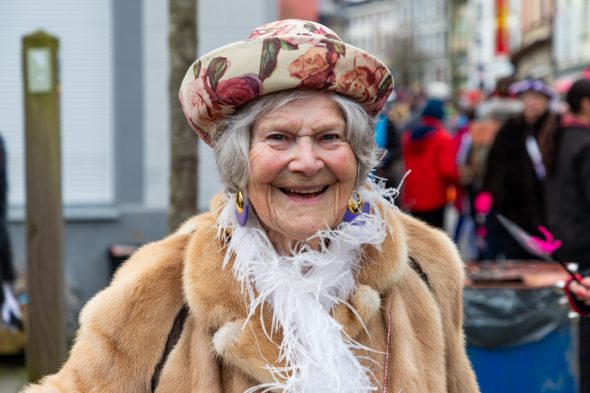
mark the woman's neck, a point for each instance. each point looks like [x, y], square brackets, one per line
[286, 246]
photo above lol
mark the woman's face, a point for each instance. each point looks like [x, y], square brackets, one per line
[303, 171]
[535, 104]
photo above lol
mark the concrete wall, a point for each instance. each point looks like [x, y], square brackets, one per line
[87, 266]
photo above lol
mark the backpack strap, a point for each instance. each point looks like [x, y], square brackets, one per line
[173, 338]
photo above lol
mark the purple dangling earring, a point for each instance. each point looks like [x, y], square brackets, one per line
[355, 208]
[241, 209]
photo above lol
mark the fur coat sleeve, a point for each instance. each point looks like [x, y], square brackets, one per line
[440, 260]
[112, 353]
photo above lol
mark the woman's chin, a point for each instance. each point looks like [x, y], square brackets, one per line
[306, 231]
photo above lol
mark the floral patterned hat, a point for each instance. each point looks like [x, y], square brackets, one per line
[281, 55]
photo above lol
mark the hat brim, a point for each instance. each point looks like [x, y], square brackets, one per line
[531, 85]
[225, 79]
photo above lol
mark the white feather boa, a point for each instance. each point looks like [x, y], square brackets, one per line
[302, 289]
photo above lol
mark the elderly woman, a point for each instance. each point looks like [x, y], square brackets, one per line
[302, 277]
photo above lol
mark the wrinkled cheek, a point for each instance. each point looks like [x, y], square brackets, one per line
[258, 196]
[344, 166]
[261, 174]
[265, 165]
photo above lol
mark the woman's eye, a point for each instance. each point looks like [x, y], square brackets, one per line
[276, 137]
[330, 137]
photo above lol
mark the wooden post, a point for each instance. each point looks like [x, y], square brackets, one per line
[184, 160]
[45, 273]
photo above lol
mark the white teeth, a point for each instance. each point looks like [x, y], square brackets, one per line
[306, 192]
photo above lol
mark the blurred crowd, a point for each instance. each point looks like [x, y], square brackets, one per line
[522, 151]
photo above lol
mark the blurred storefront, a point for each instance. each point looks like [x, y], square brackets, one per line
[534, 56]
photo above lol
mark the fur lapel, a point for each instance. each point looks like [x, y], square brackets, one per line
[212, 290]
[216, 296]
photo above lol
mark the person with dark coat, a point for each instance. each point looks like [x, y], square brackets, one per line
[568, 183]
[513, 183]
[391, 167]
[568, 207]
[428, 153]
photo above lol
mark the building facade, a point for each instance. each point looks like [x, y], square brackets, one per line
[534, 57]
[486, 64]
[113, 60]
[371, 26]
[571, 38]
[460, 39]
[470, 44]
[411, 36]
[430, 35]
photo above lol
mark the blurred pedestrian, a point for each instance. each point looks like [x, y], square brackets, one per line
[391, 168]
[429, 154]
[513, 183]
[568, 180]
[466, 185]
[568, 207]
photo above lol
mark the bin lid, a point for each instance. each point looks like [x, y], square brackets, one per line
[514, 274]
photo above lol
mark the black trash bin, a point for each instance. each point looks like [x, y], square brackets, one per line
[520, 338]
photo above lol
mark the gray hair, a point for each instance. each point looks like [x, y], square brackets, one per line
[232, 136]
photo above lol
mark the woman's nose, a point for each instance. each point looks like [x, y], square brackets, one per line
[305, 158]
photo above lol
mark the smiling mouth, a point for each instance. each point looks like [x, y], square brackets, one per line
[304, 194]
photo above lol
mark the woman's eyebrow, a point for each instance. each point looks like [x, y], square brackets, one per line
[277, 123]
[323, 124]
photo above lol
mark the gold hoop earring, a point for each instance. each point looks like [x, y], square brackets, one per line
[239, 202]
[355, 207]
[241, 209]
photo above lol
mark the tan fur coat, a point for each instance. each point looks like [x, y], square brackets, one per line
[125, 327]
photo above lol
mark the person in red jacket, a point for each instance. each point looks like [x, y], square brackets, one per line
[429, 154]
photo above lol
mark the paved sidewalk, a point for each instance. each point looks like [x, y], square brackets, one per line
[12, 373]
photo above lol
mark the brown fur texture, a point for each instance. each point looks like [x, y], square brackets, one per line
[125, 327]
